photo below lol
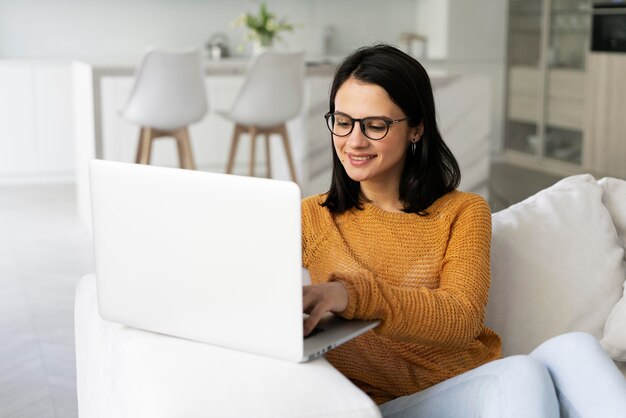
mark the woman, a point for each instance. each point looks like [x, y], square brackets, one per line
[394, 240]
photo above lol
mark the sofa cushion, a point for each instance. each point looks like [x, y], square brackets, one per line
[614, 198]
[556, 265]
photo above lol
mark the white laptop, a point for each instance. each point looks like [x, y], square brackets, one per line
[209, 257]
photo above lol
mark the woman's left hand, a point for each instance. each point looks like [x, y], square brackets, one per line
[319, 299]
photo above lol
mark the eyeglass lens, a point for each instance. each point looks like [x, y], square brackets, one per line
[342, 125]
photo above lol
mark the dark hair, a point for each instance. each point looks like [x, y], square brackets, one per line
[429, 173]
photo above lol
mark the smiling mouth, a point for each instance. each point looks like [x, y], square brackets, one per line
[361, 157]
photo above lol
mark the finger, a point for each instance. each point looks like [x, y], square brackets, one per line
[314, 317]
[307, 303]
[308, 326]
[310, 297]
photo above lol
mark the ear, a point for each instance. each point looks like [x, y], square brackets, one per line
[417, 132]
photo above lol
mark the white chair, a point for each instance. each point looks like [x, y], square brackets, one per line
[168, 95]
[271, 95]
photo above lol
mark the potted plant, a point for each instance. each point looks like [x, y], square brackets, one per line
[263, 27]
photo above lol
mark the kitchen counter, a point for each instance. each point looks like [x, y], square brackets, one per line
[225, 66]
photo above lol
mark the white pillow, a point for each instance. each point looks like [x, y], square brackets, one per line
[556, 265]
[614, 198]
[614, 339]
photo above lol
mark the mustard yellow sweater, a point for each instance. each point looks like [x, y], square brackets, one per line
[425, 277]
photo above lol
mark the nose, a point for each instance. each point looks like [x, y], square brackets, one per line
[357, 139]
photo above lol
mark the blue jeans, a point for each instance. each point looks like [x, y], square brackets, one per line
[568, 376]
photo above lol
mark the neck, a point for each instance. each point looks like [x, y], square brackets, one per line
[382, 196]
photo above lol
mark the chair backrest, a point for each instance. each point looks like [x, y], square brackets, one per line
[273, 91]
[169, 90]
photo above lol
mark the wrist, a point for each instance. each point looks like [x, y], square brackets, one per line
[350, 308]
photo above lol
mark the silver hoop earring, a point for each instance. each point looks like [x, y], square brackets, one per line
[413, 147]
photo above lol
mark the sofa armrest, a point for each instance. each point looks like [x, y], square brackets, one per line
[126, 372]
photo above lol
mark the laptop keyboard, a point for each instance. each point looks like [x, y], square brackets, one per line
[315, 331]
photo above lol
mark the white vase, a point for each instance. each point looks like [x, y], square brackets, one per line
[257, 48]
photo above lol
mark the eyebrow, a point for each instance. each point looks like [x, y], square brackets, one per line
[366, 117]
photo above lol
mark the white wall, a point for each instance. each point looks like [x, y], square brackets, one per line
[474, 42]
[432, 17]
[478, 41]
[477, 31]
[463, 35]
[97, 30]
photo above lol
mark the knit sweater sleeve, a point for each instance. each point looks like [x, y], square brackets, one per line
[451, 315]
[315, 226]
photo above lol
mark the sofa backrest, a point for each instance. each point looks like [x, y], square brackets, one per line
[557, 263]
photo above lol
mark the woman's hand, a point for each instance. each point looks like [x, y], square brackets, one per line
[319, 299]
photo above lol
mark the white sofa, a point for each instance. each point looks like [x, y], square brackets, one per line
[557, 265]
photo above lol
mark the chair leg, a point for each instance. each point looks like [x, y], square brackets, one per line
[268, 163]
[139, 146]
[283, 132]
[185, 156]
[253, 133]
[233, 148]
[145, 145]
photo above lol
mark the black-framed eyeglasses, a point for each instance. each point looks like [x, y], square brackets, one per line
[373, 127]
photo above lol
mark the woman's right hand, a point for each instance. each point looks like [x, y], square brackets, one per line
[319, 299]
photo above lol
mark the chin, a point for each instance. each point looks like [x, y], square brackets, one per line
[356, 176]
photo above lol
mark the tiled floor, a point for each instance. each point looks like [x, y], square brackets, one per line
[44, 250]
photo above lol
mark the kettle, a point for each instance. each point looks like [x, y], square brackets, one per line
[217, 45]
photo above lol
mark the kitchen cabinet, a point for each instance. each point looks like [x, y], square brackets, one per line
[606, 113]
[547, 73]
[17, 132]
[36, 120]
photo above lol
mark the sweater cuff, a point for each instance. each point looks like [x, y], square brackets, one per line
[358, 292]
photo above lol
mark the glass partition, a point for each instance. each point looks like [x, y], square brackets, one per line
[568, 41]
[524, 59]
